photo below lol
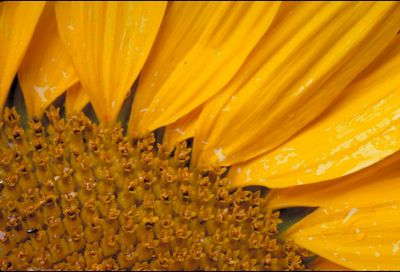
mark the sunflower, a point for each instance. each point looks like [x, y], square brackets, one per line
[199, 135]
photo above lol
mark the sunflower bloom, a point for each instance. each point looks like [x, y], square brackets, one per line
[199, 135]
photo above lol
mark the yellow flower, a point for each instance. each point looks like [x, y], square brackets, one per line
[299, 97]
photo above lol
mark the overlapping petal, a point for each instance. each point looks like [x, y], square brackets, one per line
[361, 129]
[17, 24]
[362, 239]
[182, 129]
[76, 99]
[109, 43]
[357, 223]
[373, 185]
[46, 70]
[311, 53]
[200, 47]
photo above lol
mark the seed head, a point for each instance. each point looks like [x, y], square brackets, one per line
[81, 196]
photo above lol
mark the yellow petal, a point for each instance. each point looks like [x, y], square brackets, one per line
[361, 129]
[200, 47]
[46, 70]
[109, 43]
[76, 99]
[299, 68]
[321, 264]
[373, 185]
[357, 238]
[181, 130]
[17, 24]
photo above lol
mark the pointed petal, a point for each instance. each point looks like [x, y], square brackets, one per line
[109, 43]
[76, 99]
[361, 129]
[373, 185]
[362, 239]
[46, 70]
[199, 49]
[181, 130]
[321, 264]
[17, 24]
[299, 68]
